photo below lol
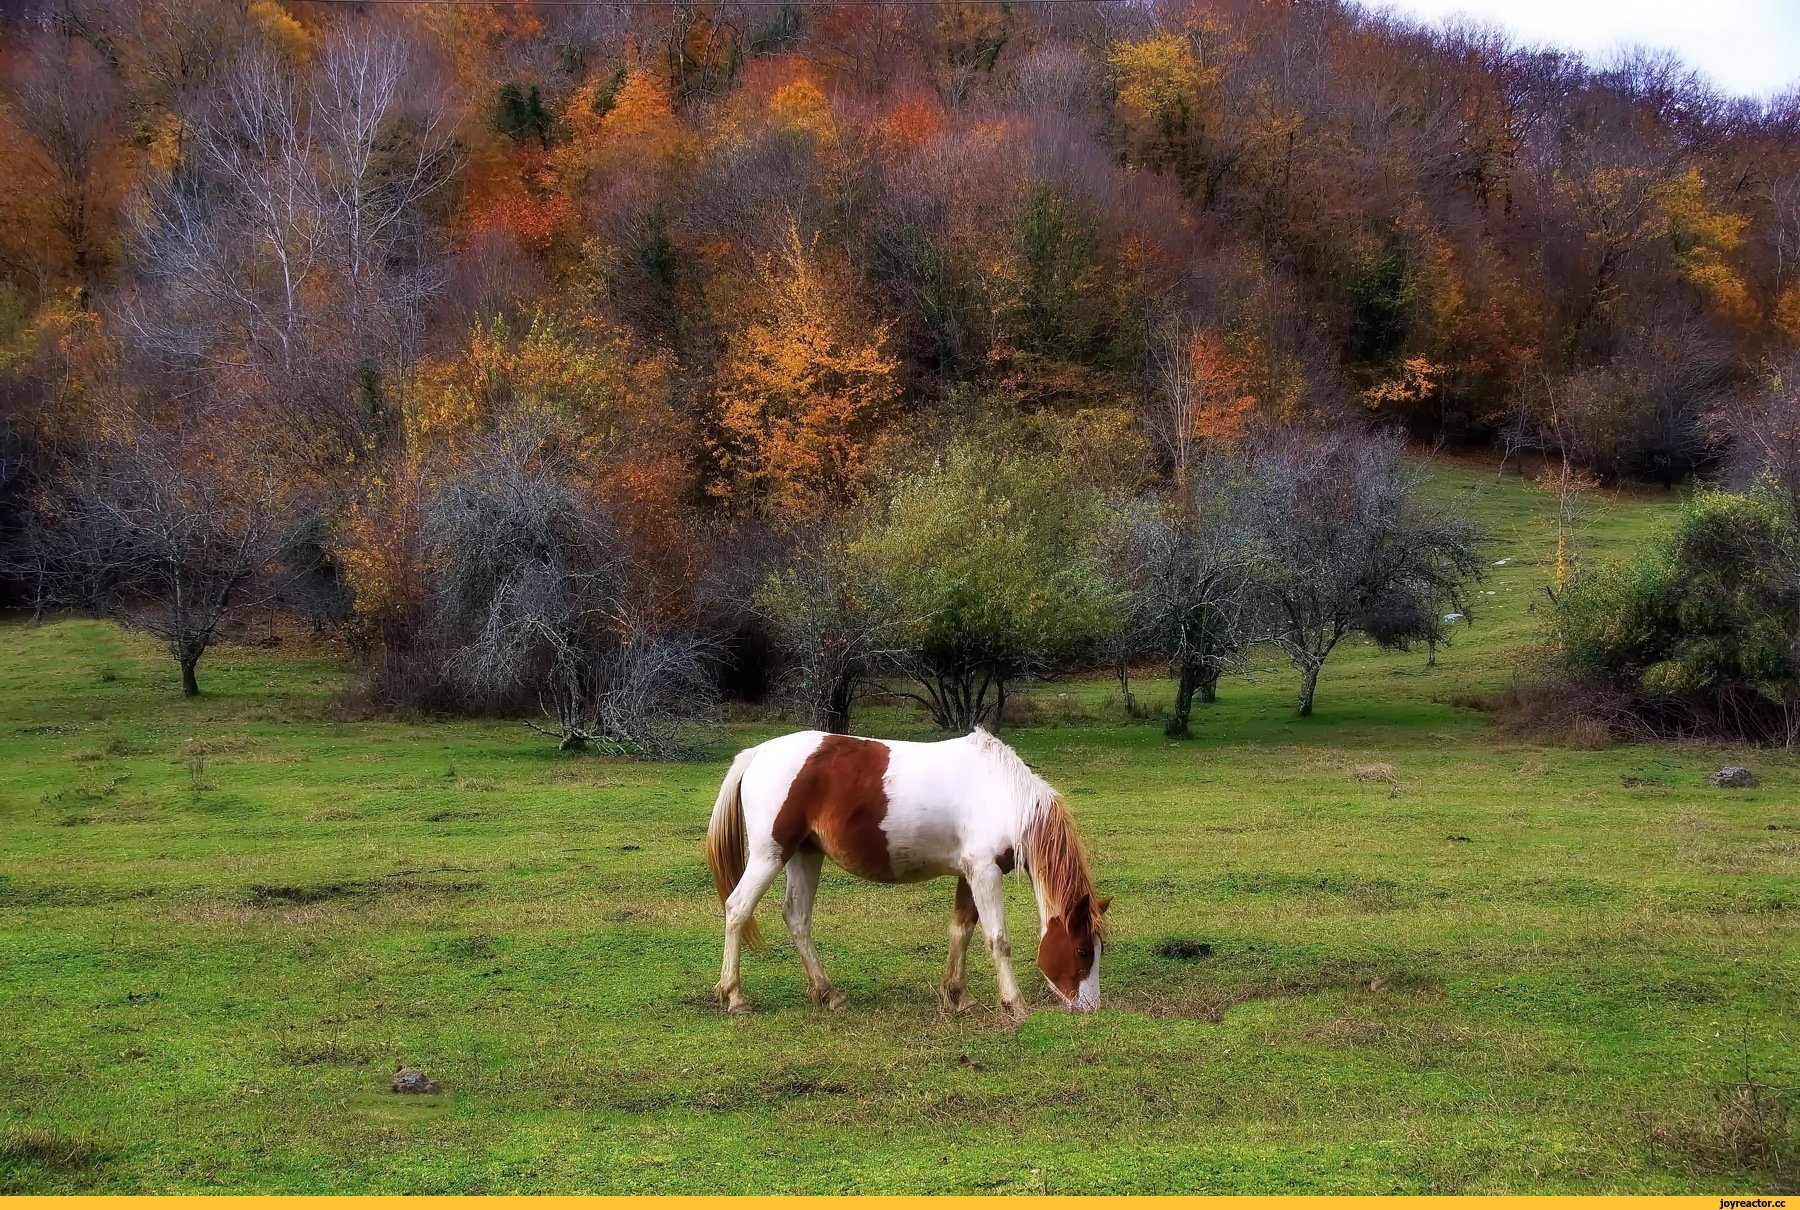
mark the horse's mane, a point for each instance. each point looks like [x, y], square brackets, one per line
[1053, 852]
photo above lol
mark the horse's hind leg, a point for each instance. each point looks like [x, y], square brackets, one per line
[962, 923]
[759, 872]
[796, 907]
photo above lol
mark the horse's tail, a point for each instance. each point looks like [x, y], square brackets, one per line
[728, 841]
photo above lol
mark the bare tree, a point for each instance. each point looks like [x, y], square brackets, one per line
[288, 253]
[385, 133]
[1764, 433]
[1345, 545]
[1175, 400]
[1190, 566]
[534, 589]
[150, 529]
[230, 245]
[69, 109]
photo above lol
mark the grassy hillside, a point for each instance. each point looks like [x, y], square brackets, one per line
[1410, 953]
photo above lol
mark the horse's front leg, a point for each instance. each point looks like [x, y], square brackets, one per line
[962, 923]
[990, 903]
[796, 908]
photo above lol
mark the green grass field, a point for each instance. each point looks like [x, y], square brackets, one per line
[1426, 957]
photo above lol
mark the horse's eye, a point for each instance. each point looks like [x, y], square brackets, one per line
[1085, 952]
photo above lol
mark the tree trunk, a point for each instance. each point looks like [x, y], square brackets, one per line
[190, 686]
[1122, 670]
[1209, 684]
[1186, 681]
[836, 716]
[1309, 681]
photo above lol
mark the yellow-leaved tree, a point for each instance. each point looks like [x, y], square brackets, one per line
[1705, 240]
[805, 388]
[552, 374]
[1163, 92]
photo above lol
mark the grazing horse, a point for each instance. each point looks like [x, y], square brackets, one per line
[905, 812]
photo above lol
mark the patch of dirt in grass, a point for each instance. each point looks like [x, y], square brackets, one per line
[26, 1153]
[298, 1050]
[49, 729]
[1751, 1129]
[335, 815]
[628, 1096]
[86, 795]
[1182, 949]
[21, 892]
[478, 948]
[1722, 901]
[400, 882]
[1346, 1031]
[1211, 1003]
[1366, 894]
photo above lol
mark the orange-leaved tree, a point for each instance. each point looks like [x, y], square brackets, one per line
[1203, 398]
[805, 388]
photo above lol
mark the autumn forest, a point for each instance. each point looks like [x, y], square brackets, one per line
[639, 344]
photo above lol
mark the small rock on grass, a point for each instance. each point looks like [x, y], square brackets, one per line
[411, 1079]
[1734, 777]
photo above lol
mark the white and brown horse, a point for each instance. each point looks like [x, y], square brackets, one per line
[905, 812]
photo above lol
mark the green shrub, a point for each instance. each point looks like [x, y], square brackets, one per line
[1708, 608]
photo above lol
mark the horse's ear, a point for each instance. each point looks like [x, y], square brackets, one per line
[1081, 914]
[1100, 906]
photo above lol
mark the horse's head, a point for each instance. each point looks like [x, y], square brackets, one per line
[1069, 952]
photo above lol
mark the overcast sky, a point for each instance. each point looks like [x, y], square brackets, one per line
[1751, 47]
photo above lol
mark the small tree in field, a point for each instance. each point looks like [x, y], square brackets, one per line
[1188, 566]
[992, 562]
[1345, 545]
[833, 620]
[160, 532]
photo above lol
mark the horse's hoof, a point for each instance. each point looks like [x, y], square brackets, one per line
[1015, 1010]
[834, 999]
[733, 1001]
[957, 1000]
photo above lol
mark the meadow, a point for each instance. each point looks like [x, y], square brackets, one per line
[1391, 947]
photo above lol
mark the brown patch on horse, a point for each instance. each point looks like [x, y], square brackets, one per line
[837, 801]
[964, 913]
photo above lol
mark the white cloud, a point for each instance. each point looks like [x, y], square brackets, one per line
[1750, 47]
